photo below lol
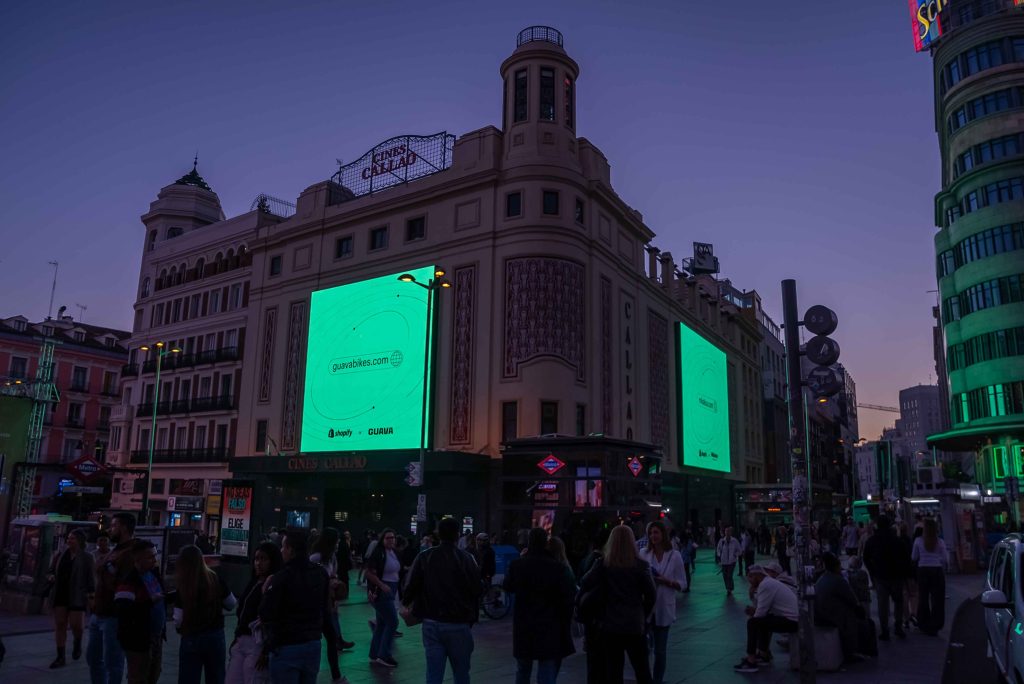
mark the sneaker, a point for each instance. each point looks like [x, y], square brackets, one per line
[387, 662]
[342, 679]
[58, 662]
[346, 645]
[398, 634]
[745, 666]
[763, 660]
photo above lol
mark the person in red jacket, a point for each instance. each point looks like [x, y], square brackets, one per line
[142, 615]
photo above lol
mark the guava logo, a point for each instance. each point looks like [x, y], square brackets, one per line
[708, 403]
[366, 362]
[396, 358]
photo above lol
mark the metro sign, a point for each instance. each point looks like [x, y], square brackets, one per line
[635, 466]
[551, 464]
[86, 467]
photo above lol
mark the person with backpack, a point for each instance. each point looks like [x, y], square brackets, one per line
[544, 589]
[200, 599]
[667, 569]
[617, 596]
[246, 664]
[382, 573]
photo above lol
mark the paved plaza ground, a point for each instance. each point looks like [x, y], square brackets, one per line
[704, 644]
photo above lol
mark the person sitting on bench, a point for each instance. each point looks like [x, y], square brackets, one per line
[775, 610]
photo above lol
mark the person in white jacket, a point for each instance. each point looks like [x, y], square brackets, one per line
[775, 609]
[728, 552]
[669, 577]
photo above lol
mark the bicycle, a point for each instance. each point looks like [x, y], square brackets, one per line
[495, 602]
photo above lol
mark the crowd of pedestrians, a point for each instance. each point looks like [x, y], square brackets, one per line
[619, 603]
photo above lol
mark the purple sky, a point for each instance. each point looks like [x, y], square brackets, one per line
[797, 137]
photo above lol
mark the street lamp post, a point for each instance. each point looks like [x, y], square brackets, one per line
[435, 283]
[160, 354]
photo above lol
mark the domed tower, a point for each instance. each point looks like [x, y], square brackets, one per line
[539, 110]
[183, 206]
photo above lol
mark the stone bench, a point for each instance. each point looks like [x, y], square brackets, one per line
[828, 651]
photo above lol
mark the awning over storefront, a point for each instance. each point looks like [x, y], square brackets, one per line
[972, 439]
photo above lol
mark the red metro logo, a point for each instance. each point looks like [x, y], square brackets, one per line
[551, 464]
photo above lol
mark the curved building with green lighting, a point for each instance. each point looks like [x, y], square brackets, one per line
[979, 106]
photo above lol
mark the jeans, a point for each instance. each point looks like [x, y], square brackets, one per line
[594, 648]
[547, 670]
[659, 637]
[295, 663]
[242, 665]
[332, 633]
[144, 666]
[727, 569]
[759, 631]
[931, 599]
[447, 640]
[889, 590]
[387, 623]
[103, 652]
[199, 653]
[616, 648]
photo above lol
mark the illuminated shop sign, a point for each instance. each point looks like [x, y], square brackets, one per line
[394, 162]
[925, 18]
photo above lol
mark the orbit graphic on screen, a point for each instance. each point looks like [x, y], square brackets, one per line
[704, 402]
[364, 366]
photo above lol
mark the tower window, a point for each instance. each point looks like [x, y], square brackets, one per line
[379, 238]
[569, 101]
[578, 214]
[547, 94]
[343, 247]
[550, 202]
[548, 417]
[520, 103]
[513, 204]
[509, 420]
[416, 228]
[275, 265]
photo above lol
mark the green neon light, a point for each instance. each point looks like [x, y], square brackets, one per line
[364, 366]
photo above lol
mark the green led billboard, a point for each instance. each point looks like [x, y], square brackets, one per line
[364, 365]
[703, 402]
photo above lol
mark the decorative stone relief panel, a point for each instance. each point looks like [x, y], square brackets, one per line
[658, 365]
[296, 320]
[462, 355]
[544, 313]
[266, 364]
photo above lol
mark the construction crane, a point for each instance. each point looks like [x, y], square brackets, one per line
[43, 392]
[876, 407]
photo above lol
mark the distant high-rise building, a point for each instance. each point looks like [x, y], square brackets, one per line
[977, 49]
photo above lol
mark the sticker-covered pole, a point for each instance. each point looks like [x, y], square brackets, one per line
[798, 461]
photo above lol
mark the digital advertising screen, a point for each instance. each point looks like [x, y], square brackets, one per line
[364, 365]
[703, 402]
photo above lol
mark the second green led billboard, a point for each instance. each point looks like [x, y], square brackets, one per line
[703, 402]
[365, 365]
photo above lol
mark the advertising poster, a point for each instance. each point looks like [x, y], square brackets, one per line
[704, 402]
[365, 365]
[237, 517]
[14, 417]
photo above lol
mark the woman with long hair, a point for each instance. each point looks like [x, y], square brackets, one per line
[325, 553]
[929, 553]
[382, 568]
[624, 595]
[73, 583]
[556, 547]
[245, 665]
[200, 600]
[669, 575]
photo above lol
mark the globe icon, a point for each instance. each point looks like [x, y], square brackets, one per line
[396, 358]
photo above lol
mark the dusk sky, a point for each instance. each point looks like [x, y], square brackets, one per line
[797, 137]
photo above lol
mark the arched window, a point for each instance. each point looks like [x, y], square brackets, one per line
[145, 286]
[152, 241]
[200, 265]
[174, 231]
[218, 261]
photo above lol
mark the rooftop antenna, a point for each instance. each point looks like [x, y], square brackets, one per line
[82, 308]
[49, 311]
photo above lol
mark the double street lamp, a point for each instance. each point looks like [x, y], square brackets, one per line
[436, 283]
[161, 351]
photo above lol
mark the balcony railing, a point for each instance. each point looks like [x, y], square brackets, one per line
[204, 455]
[174, 361]
[74, 422]
[129, 370]
[79, 387]
[178, 406]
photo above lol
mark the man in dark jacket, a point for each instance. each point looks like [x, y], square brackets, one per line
[888, 561]
[541, 624]
[142, 615]
[103, 652]
[443, 589]
[293, 612]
